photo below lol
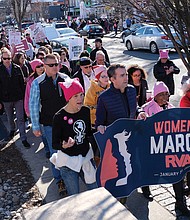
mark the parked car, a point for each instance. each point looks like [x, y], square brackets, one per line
[60, 42]
[64, 32]
[60, 25]
[130, 30]
[149, 37]
[92, 30]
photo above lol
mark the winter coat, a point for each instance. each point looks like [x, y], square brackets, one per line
[11, 85]
[152, 107]
[160, 74]
[91, 99]
[185, 100]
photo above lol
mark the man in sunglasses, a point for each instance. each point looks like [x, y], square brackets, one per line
[12, 95]
[46, 98]
[85, 73]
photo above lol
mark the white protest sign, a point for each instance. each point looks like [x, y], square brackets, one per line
[14, 38]
[76, 46]
[37, 32]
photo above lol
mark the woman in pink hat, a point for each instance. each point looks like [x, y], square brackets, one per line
[71, 133]
[159, 103]
[97, 86]
[164, 70]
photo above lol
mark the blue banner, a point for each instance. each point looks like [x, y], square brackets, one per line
[137, 153]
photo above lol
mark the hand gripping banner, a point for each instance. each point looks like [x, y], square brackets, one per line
[137, 153]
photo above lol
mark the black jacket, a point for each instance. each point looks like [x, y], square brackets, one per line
[160, 74]
[11, 86]
[93, 54]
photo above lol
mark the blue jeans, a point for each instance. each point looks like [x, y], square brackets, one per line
[44, 139]
[71, 180]
[48, 135]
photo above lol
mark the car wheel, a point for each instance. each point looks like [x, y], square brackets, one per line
[123, 38]
[153, 48]
[129, 45]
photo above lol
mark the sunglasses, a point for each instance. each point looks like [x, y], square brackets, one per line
[86, 67]
[6, 58]
[63, 54]
[52, 64]
[42, 65]
[104, 77]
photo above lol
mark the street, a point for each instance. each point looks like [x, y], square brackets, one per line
[119, 54]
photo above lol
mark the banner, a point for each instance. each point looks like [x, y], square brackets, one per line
[22, 46]
[76, 46]
[137, 153]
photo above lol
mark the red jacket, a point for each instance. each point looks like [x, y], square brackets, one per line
[185, 100]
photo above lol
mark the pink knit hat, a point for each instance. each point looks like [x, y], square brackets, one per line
[159, 87]
[35, 63]
[98, 70]
[164, 54]
[71, 87]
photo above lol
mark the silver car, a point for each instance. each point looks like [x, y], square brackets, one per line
[149, 37]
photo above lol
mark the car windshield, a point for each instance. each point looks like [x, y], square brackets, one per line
[66, 31]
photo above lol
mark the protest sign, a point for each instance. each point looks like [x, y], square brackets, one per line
[137, 153]
[14, 38]
[76, 46]
[37, 32]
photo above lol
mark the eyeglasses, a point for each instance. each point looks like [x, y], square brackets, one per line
[136, 76]
[104, 77]
[52, 64]
[87, 67]
[42, 65]
[6, 58]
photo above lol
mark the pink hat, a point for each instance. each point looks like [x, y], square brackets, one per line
[35, 63]
[98, 70]
[159, 87]
[71, 87]
[164, 54]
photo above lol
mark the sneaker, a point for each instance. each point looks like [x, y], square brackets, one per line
[26, 144]
[61, 188]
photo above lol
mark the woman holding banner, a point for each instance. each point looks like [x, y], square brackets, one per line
[159, 103]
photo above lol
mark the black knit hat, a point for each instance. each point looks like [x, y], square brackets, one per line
[85, 61]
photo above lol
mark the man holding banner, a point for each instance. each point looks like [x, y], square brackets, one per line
[119, 101]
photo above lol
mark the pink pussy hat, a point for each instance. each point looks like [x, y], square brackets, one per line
[98, 70]
[35, 63]
[164, 54]
[71, 87]
[159, 87]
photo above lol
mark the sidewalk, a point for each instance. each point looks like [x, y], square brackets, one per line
[136, 203]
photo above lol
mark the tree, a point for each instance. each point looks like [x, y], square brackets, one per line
[169, 14]
[19, 10]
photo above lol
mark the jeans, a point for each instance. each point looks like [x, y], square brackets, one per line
[9, 110]
[44, 139]
[71, 180]
[48, 135]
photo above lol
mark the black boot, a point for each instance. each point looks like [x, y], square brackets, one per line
[182, 208]
[146, 193]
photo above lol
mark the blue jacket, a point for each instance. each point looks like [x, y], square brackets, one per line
[113, 105]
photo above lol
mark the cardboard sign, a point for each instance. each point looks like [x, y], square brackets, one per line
[76, 46]
[14, 38]
[137, 153]
[22, 46]
[37, 32]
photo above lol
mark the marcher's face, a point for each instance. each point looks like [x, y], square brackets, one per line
[104, 80]
[40, 69]
[100, 60]
[120, 79]
[51, 66]
[6, 58]
[163, 60]
[136, 76]
[162, 98]
[22, 59]
[87, 69]
[76, 102]
[98, 44]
